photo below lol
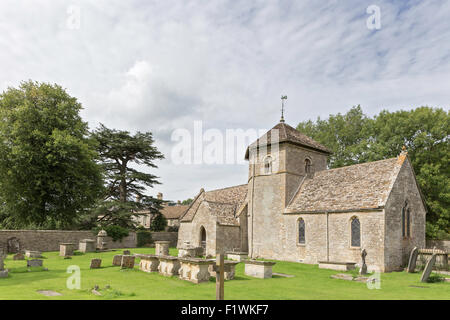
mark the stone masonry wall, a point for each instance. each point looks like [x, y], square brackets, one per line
[439, 244]
[398, 248]
[190, 231]
[166, 236]
[49, 240]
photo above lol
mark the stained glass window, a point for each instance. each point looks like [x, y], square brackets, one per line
[301, 231]
[356, 233]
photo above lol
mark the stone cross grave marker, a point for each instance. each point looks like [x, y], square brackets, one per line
[220, 277]
[363, 269]
[413, 259]
[428, 268]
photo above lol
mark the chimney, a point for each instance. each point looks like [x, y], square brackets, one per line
[138, 198]
[159, 196]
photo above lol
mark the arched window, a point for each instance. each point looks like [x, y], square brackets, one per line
[307, 166]
[406, 221]
[301, 231]
[268, 165]
[203, 238]
[355, 232]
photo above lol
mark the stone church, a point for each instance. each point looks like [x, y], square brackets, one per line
[295, 209]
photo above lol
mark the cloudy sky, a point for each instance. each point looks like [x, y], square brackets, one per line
[161, 65]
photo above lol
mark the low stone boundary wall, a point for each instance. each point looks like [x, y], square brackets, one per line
[439, 244]
[166, 236]
[49, 240]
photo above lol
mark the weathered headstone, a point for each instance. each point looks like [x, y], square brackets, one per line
[126, 252]
[96, 263]
[428, 268]
[34, 263]
[117, 260]
[19, 256]
[363, 269]
[127, 262]
[413, 259]
[66, 249]
[13, 245]
[3, 272]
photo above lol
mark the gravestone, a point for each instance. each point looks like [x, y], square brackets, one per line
[13, 245]
[34, 263]
[3, 272]
[428, 268]
[96, 263]
[126, 252]
[127, 262]
[117, 260]
[19, 256]
[413, 259]
[363, 269]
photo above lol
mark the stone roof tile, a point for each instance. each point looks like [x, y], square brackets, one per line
[356, 187]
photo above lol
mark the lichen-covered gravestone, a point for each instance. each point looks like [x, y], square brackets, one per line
[117, 260]
[96, 263]
[126, 252]
[127, 262]
[19, 256]
[34, 263]
[428, 268]
[413, 259]
[3, 272]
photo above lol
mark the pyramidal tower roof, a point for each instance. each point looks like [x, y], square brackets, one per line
[283, 132]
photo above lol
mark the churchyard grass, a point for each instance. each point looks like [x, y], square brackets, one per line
[309, 282]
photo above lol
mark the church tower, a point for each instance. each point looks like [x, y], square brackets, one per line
[279, 161]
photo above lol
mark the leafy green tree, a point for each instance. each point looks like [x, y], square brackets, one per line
[48, 173]
[124, 198]
[355, 138]
[159, 223]
[187, 202]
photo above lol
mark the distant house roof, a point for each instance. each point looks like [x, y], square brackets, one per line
[357, 187]
[222, 203]
[173, 212]
[283, 132]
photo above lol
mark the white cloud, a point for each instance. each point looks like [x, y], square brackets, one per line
[158, 66]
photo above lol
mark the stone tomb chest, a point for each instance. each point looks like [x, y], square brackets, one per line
[340, 266]
[66, 249]
[149, 262]
[87, 245]
[162, 248]
[194, 269]
[168, 265]
[258, 269]
[229, 269]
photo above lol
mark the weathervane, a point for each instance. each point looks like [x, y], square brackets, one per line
[283, 98]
